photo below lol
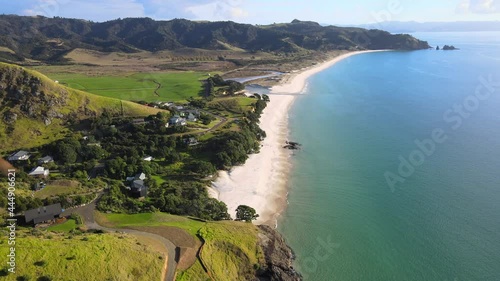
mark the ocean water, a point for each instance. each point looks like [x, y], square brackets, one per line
[399, 176]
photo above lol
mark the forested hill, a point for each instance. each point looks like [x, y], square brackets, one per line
[49, 39]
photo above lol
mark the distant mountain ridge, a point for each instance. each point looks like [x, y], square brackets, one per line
[49, 39]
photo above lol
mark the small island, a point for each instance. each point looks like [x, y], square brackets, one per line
[448, 48]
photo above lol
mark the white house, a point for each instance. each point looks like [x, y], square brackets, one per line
[39, 172]
[176, 121]
[19, 156]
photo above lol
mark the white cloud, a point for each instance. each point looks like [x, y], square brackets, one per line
[479, 6]
[87, 9]
[218, 10]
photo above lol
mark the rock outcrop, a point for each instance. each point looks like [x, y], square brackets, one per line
[278, 256]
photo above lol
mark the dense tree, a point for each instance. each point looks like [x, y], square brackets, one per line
[246, 213]
[203, 168]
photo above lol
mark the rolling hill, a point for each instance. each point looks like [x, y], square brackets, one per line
[50, 39]
[35, 110]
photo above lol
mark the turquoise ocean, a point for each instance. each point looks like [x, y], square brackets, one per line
[399, 175]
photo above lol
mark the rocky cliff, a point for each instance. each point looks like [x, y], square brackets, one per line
[278, 256]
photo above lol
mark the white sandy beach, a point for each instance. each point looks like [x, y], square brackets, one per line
[261, 182]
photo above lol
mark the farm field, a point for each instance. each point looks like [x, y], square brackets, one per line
[175, 86]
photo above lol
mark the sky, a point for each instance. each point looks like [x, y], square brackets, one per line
[340, 12]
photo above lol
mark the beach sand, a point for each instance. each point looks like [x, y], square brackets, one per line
[261, 182]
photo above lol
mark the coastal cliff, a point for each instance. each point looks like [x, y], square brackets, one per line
[278, 257]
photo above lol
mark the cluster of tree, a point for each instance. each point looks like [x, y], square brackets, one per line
[24, 203]
[199, 103]
[71, 149]
[232, 148]
[263, 97]
[206, 118]
[246, 213]
[180, 198]
[229, 86]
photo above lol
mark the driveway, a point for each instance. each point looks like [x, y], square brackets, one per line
[87, 214]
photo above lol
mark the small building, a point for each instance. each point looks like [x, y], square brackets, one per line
[191, 141]
[139, 121]
[98, 144]
[176, 121]
[45, 160]
[191, 117]
[43, 214]
[148, 158]
[138, 188]
[140, 176]
[39, 186]
[21, 155]
[40, 172]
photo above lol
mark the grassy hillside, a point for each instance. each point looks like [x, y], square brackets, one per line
[88, 256]
[231, 250]
[35, 110]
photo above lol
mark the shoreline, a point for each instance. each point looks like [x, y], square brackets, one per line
[261, 182]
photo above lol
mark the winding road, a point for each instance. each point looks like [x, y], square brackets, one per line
[87, 214]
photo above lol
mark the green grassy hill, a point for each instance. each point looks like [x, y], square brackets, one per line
[82, 257]
[231, 250]
[35, 110]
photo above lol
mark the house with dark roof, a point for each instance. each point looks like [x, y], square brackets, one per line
[191, 117]
[21, 155]
[138, 188]
[43, 214]
[45, 160]
[139, 121]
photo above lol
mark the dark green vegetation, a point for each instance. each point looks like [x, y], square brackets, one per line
[69, 193]
[246, 213]
[177, 176]
[50, 39]
[35, 110]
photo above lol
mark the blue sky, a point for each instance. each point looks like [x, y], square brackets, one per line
[263, 11]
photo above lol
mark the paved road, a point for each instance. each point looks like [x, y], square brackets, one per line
[87, 214]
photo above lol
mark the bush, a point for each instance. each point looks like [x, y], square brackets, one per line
[40, 263]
